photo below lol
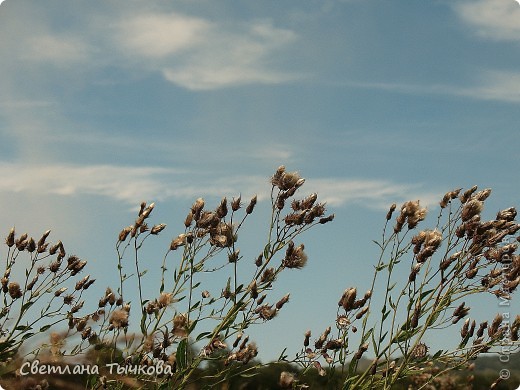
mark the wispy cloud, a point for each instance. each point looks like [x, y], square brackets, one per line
[161, 35]
[201, 55]
[133, 184]
[59, 50]
[374, 194]
[493, 19]
[501, 86]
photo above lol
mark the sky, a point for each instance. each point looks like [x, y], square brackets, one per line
[106, 104]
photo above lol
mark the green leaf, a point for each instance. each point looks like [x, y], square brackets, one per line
[367, 335]
[424, 294]
[25, 307]
[27, 335]
[202, 335]
[23, 328]
[45, 328]
[181, 354]
[266, 251]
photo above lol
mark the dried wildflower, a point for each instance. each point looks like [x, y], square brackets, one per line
[419, 351]
[416, 315]
[282, 301]
[119, 319]
[295, 257]
[334, 345]
[268, 275]
[253, 289]
[266, 312]
[250, 207]
[449, 196]
[287, 380]
[507, 214]
[165, 299]
[515, 327]
[460, 312]
[390, 211]
[236, 203]
[82, 282]
[197, 207]
[156, 229]
[68, 299]
[180, 325]
[307, 338]
[465, 196]
[471, 208]
[178, 241]
[362, 312]
[286, 180]
[222, 209]
[14, 290]
[31, 245]
[60, 291]
[495, 325]
[362, 349]
[327, 219]
[348, 298]
[415, 270]
[321, 370]
[77, 307]
[342, 322]
[411, 212]
[9, 240]
[319, 343]
[152, 307]
[222, 235]
[32, 283]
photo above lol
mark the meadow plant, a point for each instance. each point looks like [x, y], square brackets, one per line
[167, 334]
[459, 257]
[176, 326]
[40, 289]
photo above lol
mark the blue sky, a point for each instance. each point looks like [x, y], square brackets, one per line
[106, 104]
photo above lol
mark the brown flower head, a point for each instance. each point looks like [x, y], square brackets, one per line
[14, 290]
[295, 257]
[119, 319]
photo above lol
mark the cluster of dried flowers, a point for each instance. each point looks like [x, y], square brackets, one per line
[170, 322]
[44, 274]
[460, 257]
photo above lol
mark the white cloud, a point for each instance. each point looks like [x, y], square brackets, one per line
[493, 19]
[134, 184]
[56, 49]
[488, 85]
[495, 85]
[198, 55]
[160, 35]
[375, 194]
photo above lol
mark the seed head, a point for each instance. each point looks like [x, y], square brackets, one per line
[156, 229]
[286, 380]
[507, 214]
[14, 290]
[119, 318]
[295, 257]
[282, 301]
[250, 207]
[471, 208]
[9, 240]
